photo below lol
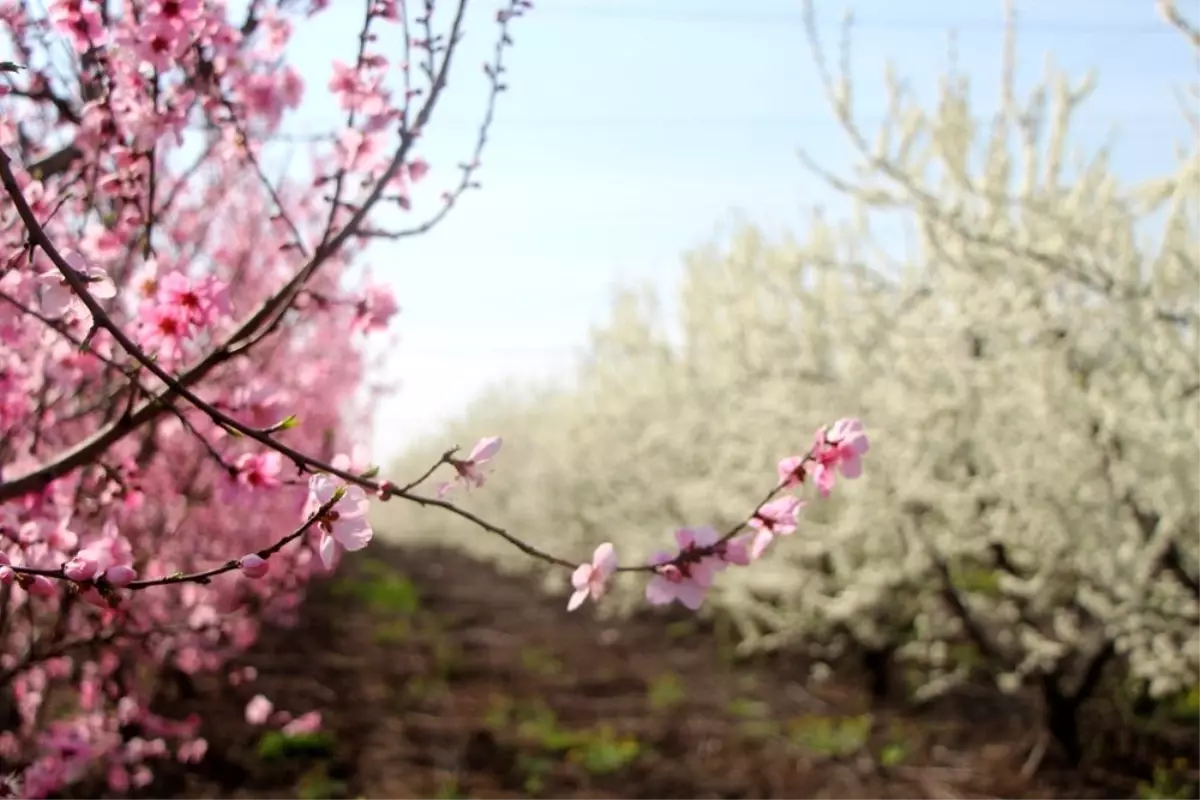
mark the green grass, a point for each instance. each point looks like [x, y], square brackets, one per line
[599, 750]
[277, 745]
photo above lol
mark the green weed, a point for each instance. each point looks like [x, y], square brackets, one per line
[1170, 783]
[665, 692]
[381, 589]
[832, 737]
[540, 661]
[277, 745]
[598, 750]
[317, 785]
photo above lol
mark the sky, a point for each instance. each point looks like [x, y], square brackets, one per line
[634, 130]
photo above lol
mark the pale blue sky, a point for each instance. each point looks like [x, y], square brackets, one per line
[634, 128]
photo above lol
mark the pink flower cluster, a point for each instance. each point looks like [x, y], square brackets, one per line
[261, 711]
[175, 310]
[180, 354]
[686, 574]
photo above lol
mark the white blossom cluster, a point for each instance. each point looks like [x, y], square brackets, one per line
[1028, 370]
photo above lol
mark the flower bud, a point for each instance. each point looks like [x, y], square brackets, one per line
[254, 565]
[42, 586]
[80, 569]
[120, 575]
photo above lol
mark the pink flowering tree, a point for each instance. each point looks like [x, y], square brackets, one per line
[180, 356]
[180, 345]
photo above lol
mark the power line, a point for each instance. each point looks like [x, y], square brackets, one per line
[1067, 27]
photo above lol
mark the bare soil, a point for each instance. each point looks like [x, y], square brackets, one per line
[438, 677]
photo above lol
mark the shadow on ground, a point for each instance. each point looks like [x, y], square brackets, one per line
[438, 677]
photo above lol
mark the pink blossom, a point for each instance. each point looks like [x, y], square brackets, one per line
[792, 471]
[192, 752]
[688, 579]
[692, 540]
[840, 448]
[258, 471]
[164, 330]
[10, 784]
[257, 405]
[417, 169]
[159, 42]
[778, 517]
[375, 310]
[109, 556]
[303, 724]
[81, 22]
[199, 303]
[345, 524]
[735, 551]
[470, 470]
[178, 11]
[590, 580]
[364, 152]
[59, 299]
[671, 583]
[145, 280]
[101, 244]
[258, 709]
[142, 777]
[356, 461]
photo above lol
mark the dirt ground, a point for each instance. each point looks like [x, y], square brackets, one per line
[438, 677]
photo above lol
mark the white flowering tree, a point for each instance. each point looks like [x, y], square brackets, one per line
[1029, 369]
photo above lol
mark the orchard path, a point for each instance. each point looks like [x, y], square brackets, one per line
[438, 677]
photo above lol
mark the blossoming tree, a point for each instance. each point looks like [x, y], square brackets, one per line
[1031, 517]
[179, 359]
[178, 346]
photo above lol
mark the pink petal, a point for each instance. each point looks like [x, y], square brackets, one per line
[691, 594]
[762, 540]
[604, 560]
[321, 487]
[702, 573]
[354, 502]
[660, 591]
[684, 538]
[581, 576]
[485, 448]
[577, 599]
[661, 557]
[352, 534]
[327, 549]
[736, 552]
[852, 466]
